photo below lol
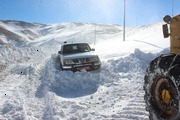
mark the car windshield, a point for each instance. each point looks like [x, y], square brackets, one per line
[76, 48]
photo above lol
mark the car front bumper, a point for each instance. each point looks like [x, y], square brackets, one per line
[86, 66]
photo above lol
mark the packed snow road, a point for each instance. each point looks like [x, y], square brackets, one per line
[37, 89]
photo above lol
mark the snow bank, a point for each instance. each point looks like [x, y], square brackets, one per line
[19, 55]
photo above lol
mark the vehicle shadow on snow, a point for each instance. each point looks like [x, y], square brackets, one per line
[66, 83]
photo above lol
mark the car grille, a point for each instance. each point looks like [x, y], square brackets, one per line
[81, 60]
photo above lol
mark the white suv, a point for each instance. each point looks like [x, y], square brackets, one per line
[78, 56]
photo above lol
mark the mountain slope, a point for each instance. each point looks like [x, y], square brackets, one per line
[18, 33]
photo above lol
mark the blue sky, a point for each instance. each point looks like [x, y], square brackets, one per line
[138, 12]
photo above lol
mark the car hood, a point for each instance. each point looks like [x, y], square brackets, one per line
[80, 55]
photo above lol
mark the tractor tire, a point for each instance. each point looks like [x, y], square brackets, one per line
[162, 88]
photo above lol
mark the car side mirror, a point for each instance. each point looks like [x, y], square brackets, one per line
[59, 52]
[165, 30]
[93, 49]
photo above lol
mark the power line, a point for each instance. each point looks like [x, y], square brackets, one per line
[124, 25]
[95, 34]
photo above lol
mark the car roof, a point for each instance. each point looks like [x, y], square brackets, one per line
[74, 43]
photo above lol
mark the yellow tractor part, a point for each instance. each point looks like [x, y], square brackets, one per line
[174, 34]
[165, 96]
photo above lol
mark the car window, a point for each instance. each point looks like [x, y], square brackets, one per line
[76, 48]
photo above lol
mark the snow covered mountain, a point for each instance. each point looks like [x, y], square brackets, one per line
[32, 86]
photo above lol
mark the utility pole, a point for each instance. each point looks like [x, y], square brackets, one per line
[95, 34]
[124, 25]
[172, 7]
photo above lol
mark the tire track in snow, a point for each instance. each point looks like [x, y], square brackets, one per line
[131, 105]
[33, 105]
[135, 107]
[47, 79]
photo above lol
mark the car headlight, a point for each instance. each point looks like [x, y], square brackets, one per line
[94, 59]
[68, 61]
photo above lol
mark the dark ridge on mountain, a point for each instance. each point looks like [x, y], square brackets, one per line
[18, 33]
[23, 23]
[10, 35]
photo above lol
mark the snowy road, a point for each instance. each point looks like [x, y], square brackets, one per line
[32, 86]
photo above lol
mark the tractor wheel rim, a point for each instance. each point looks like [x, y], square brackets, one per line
[164, 96]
